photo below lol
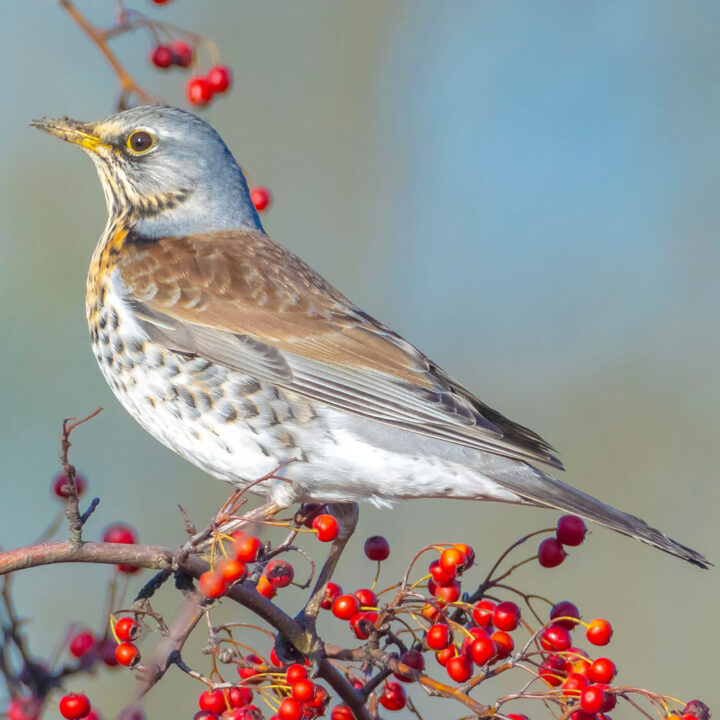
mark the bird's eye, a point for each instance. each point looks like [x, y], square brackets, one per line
[140, 142]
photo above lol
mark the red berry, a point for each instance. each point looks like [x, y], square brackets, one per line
[107, 652]
[327, 527]
[127, 654]
[279, 573]
[239, 696]
[246, 548]
[366, 597]
[599, 632]
[23, 707]
[482, 650]
[74, 706]
[503, 643]
[362, 624]
[161, 56]
[212, 700]
[447, 593]
[581, 667]
[483, 613]
[459, 668]
[610, 700]
[506, 616]
[393, 697]
[555, 638]
[211, 584]
[290, 709]
[443, 656]
[303, 690]
[592, 699]
[603, 670]
[205, 715]
[468, 552]
[294, 673]
[120, 533]
[60, 482]
[438, 637]
[332, 592]
[82, 643]
[551, 553]
[413, 659]
[126, 628]
[565, 609]
[160, 2]
[377, 548]
[261, 198]
[220, 78]
[517, 716]
[266, 588]
[439, 576]
[574, 684]
[341, 712]
[181, 54]
[231, 570]
[571, 530]
[198, 91]
[552, 670]
[453, 560]
[345, 607]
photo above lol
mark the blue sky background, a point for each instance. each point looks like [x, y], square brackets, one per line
[528, 191]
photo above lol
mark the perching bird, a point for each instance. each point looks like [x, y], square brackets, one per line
[237, 355]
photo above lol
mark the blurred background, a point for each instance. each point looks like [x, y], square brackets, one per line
[528, 191]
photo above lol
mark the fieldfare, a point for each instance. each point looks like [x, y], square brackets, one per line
[237, 355]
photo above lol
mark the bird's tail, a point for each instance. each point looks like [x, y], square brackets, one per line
[538, 488]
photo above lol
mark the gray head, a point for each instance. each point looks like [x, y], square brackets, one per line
[167, 168]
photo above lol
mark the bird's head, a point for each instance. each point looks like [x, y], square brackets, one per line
[167, 168]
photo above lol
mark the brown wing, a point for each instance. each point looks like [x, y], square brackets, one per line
[241, 300]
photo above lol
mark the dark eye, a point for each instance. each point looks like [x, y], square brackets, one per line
[140, 141]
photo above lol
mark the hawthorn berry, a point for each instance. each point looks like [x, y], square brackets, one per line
[261, 198]
[555, 638]
[503, 643]
[574, 684]
[220, 78]
[23, 707]
[447, 593]
[482, 650]
[82, 643]
[211, 584]
[60, 482]
[295, 672]
[377, 548]
[279, 573]
[303, 690]
[181, 53]
[127, 654]
[248, 672]
[571, 530]
[453, 560]
[592, 698]
[341, 712]
[366, 597]
[566, 610]
[290, 709]
[231, 570]
[602, 670]
[393, 697]
[238, 697]
[439, 576]
[517, 716]
[438, 637]
[551, 553]
[198, 91]
[326, 526]
[107, 652]
[205, 715]
[246, 548]
[74, 706]
[362, 623]
[483, 613]
[212, 700]
[459, 668]
[413, 659]
[506, 616]
[161, 57]
[120, 533]
[468, 551]
[345, 607]
[332, 592]
[265, 587]
[126, 628]
[552, 670]
[443, 656]
[599, 632]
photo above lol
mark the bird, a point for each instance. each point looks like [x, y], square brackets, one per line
[233, 352]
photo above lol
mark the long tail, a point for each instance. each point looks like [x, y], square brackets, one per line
[538, 488]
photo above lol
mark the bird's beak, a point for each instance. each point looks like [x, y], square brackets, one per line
[71, 131]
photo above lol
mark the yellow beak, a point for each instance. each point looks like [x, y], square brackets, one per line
[71, 131]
